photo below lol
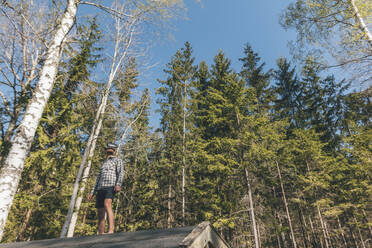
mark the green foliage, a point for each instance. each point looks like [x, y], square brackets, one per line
[291, 141]
[55, 154]
[175, 125]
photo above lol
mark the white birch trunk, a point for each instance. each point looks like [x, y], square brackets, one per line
[286, 206]
[71, 227]
[363, 25]
[251, 208]
[79, 175]
[75, 203]
[12, 169]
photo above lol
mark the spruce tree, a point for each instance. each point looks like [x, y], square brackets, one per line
[219, 104]
[252, 72]
[322, 103]
[288, 88]
[174, 108]
[139, 202]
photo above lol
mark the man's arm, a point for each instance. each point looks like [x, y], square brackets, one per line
[119, 174]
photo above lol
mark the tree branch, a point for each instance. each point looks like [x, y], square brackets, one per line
[111, 11]
[28, 23]
[133, 121]
[6, 103]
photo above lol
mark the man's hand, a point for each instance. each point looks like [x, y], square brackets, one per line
[90, 196]
[117, 188]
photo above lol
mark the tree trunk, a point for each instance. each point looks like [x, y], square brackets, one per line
[315, 238]
[170, 209]
[342, 232]
[362, 24]
[12, 169]
[286, 206]
[327, 233]
[369, 226]
[258, 234]
[303, 228]
[360, 233]
[84, 216]
[71, 227]
[353, 237]
[251, 208]
[24, 225]
[183, 194]
[75, 203]
[282, 235]
[184, 152]
[323, 227]
[87, 154]
[278, 241]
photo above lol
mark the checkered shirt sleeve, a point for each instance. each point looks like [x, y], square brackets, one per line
[110, 174]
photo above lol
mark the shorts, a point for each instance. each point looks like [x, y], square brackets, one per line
[102, 194]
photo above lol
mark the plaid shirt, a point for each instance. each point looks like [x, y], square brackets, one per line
[110, 174]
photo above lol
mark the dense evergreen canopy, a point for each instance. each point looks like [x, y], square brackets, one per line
[276, 157]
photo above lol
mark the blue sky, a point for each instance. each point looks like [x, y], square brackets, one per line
[225, 25]
[228, 25]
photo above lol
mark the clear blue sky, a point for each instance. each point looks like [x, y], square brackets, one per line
[227, 25]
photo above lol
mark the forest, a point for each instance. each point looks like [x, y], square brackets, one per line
[273, 157]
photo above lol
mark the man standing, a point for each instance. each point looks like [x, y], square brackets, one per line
[107, 184]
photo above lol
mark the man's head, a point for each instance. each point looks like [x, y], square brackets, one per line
[110, 148]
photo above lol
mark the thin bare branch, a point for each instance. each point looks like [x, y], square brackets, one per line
[111, 11]
[12, 22]
[130, 124]
[9, 83]
[27, 21]
[6, 103]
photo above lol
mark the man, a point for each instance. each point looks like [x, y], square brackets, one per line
[107, 184]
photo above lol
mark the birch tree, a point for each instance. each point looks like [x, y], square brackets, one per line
[25, 27]
[14, 162]
[129, 19]
[342, 28]
[12, 168]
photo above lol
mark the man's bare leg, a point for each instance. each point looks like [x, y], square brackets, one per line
[110, 215]
[101, 220]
